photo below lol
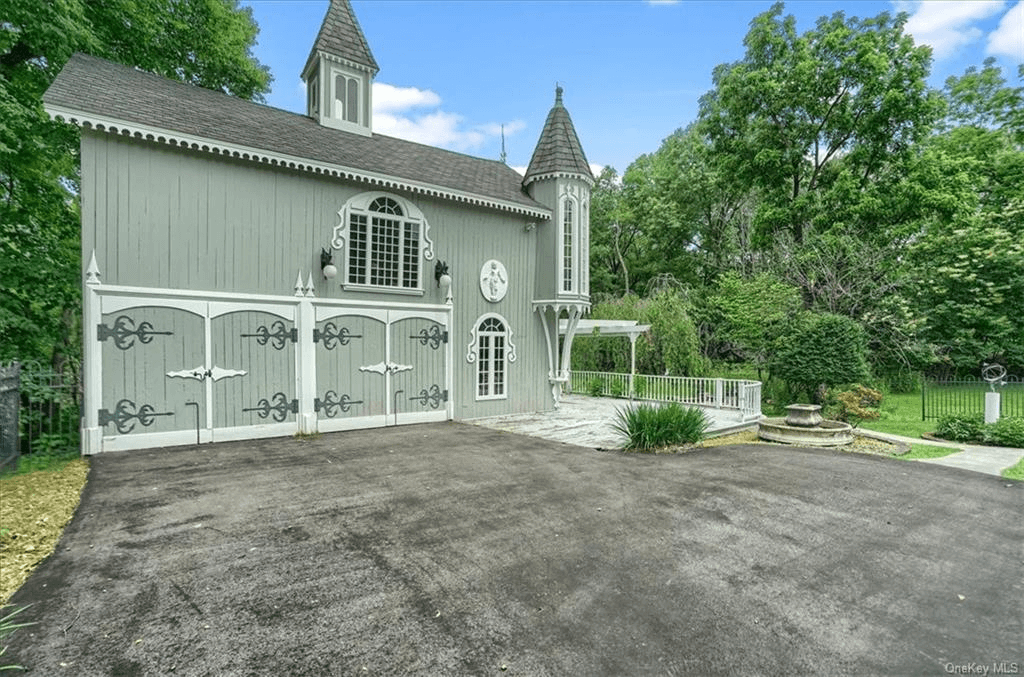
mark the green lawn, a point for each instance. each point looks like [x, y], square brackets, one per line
[901, 415]
[1016, 471]
[927, 451]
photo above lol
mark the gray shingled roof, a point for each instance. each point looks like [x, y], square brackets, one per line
[340, 35]
[559, 149]
[90, 85]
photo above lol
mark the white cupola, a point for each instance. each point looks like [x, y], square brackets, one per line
[339, 73]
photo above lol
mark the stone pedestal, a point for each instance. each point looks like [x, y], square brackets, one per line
[991, 407]
[803, 415]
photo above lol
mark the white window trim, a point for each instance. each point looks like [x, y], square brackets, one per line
[474, 346]
[329, 114]
[359, 205]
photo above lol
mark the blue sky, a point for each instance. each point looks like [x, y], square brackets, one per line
[452, 72]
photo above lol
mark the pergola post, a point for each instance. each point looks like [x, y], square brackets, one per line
[632, 362]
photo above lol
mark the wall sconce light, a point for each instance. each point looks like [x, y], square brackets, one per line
[327, 264]
[444, 280]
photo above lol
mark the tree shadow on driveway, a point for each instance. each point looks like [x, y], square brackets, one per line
[449, 549]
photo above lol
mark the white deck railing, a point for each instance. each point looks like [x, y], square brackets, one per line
[720, 393]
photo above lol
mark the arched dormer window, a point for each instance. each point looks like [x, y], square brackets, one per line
[492, 350]
[568, 245]
[387, 239]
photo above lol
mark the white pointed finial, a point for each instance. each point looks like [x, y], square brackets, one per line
[309, 285]
[298, 285]
[92, 273]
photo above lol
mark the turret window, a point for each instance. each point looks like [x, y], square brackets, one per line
[568, 244]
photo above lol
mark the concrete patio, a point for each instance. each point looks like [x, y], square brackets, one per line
[587, 422]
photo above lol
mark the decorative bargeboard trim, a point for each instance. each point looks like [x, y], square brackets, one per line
[100, 123]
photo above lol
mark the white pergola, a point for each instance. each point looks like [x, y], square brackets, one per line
[628, 328]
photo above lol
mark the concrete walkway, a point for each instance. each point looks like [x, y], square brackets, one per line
[587, 422]
[988, 460]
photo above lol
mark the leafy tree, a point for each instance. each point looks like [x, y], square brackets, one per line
[613, 240]
[784, 116]
[967, 260]
[713, 210]
[970, 288]
[982, 99]
[204, 42]
[749, 314]
[671, 346]
[822, 351]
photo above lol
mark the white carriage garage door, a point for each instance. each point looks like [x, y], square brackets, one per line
[183, 370]
[380, 367]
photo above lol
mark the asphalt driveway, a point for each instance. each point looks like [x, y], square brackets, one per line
[449, 549]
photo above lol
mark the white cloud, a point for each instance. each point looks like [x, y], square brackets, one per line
[947, 26]
[1008, 39]
[388, 98]
[416, 115]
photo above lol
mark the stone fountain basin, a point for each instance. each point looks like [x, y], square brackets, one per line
[825, 434]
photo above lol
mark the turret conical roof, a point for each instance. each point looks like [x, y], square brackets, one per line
[341, 36]
[558, 151]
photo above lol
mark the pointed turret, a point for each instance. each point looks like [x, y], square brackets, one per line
[558, 152]
[559, 176]
[339, 72]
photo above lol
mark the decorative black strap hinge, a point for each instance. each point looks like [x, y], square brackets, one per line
[124, 332]
[125, 416]
[331, 403]
[433, 336]
[277, 335]
[431, 397]
[332, 336]
[278, 405]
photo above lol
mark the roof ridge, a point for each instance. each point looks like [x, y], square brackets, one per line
[91, 86]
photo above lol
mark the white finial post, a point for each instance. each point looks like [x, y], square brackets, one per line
[92, 272]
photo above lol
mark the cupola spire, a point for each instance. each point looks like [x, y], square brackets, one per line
[339, 72]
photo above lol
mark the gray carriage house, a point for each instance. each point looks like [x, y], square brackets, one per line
[251, 272]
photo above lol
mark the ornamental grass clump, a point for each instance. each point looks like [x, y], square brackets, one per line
[648, 427]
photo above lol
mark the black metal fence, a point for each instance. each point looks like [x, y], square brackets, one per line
[40, 410]
[967, 396]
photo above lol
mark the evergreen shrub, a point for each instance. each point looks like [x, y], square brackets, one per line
[823, 351]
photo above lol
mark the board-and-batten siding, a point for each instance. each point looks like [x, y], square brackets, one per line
[164, 217]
